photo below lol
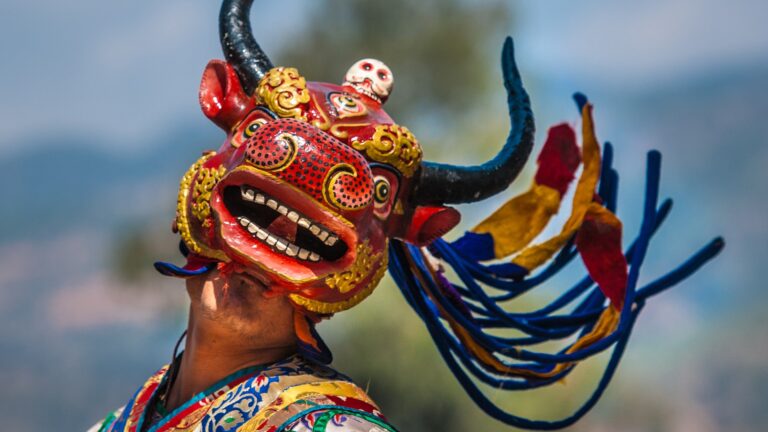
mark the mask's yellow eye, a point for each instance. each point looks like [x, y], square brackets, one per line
[348, 102]
[252, 128]
[381, 190]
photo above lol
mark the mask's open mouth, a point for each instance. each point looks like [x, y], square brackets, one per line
[285, 230]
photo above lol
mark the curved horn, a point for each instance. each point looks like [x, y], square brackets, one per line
[240, 48]
[449, 184]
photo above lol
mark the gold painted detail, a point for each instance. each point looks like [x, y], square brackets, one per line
[346, 281]
[284, 90]
[329, 184]
[339, 130]
[394, 145]
[182, 219]
[365, 265]
[206, 180]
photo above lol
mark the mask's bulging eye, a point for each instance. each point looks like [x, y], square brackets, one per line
[252, 128]
[381, 190]
[348, 102]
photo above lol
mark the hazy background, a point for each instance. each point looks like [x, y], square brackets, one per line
[99, 119]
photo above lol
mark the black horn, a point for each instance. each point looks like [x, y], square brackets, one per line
[449, 184]
[240, 48]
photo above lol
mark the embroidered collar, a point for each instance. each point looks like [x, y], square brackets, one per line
[134, 416]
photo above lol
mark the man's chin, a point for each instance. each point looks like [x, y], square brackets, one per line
[225, 297]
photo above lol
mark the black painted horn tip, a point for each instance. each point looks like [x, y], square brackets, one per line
[509, 44]
[508, 63]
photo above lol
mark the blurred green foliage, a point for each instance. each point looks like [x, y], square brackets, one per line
[136, 248]
[443, 53]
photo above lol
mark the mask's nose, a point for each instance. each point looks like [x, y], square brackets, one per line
[312, 161]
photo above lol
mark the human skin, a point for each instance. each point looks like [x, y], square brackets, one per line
[235, 321]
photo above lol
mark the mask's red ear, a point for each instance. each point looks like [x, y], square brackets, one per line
[431, 223]
[222, 97]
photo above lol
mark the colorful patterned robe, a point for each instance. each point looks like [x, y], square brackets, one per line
[292, 395]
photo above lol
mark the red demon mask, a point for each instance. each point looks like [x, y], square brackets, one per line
[310, 183]
[313, 179]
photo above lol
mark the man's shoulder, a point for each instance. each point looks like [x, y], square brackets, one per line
[297, 393]
[320, 405]
[286, 396]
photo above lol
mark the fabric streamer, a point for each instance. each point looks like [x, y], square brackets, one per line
[461, 300]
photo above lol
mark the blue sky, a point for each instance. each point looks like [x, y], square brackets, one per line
[90, 65]
[631, 43]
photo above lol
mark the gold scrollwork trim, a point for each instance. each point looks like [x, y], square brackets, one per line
[346, 281]
[337, 130]
[394, 145]
[182, 219]
[206, 180]
[330, 181]
[182, 216]
[325, 308]
[284, 90]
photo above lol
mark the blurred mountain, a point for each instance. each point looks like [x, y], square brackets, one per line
[70, 182]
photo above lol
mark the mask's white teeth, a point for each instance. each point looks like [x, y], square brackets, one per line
[281, 245]
[277, 243]
[247, 194]
[304, 223]
[253, 228]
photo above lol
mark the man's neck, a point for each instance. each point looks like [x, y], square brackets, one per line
[211, 354]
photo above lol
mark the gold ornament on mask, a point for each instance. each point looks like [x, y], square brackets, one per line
[206, 180]
[283, 90]
[367, 265]
[393, 145]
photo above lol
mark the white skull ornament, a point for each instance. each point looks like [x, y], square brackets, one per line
[372, 78]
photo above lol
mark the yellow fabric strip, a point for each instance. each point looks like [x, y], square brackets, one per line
[536, 255]
[520, 220]
[295, 393]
